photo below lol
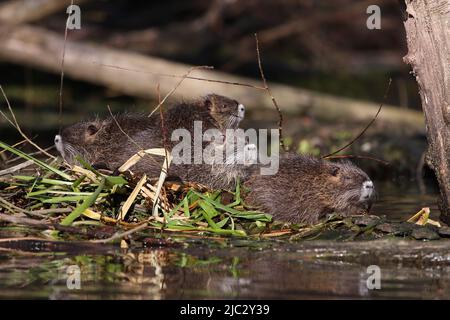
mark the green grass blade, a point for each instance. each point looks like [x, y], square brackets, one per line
[186, 210]
[208, 213]
[69, 193]
[42, 164]
[62, 199]
[84, 205]
[251, 215]
[44, 181]
[237, 194]
[220, 224]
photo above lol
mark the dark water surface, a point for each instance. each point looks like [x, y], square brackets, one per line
[233, 268]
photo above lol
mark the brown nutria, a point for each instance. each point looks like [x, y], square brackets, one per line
[219, 175]
[102, 143]
[305, 189]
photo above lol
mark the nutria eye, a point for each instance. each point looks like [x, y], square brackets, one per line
[91, 129]
[334, 171]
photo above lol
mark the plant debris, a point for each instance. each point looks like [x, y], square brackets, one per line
[82, 203]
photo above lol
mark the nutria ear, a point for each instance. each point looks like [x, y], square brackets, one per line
[208, 102]
[92, 129]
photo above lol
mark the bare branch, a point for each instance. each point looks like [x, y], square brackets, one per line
[61, 82]
[386, 163]
[367, 126]
[177, 85]
[233, 83]
[267, 89]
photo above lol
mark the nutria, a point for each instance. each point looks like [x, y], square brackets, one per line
[103, 144]
[306, 189]
[222, 175]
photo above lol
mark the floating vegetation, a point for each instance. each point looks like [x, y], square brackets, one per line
[80, 202]
[80, 196]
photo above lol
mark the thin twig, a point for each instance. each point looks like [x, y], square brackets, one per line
[166, 158]
[233, 83]
[17, 167]
[15, 124]
[122, 235]
[123, 131]
[61, 82]
[267, 89]
[177, 85]
[53, 210]
[163, 127]
[14, 145]
[11, 206]
[367, 126]
[30, 154]
[359, 157]
[45, 226]
[128, 136]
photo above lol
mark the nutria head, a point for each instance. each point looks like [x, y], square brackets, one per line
[100, 138]
[227, 112]
[75, 140]
[350, 187]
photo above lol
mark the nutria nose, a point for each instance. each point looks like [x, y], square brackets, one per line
[57, 139]
[367, 190]
[241, 109]
[368, 184]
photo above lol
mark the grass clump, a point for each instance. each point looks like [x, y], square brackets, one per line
[82, 196]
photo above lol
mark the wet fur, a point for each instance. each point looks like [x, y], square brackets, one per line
[108, 147]
[305, 189]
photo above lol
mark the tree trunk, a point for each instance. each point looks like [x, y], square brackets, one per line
[428, 36]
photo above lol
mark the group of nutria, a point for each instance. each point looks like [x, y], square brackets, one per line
[303, 190]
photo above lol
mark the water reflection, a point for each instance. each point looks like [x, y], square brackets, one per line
[323, 269]
[233, 268]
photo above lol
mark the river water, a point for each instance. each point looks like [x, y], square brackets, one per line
[234, 268]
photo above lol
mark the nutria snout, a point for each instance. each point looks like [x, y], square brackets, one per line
[306, 189]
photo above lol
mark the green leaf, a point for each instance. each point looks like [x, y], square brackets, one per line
[187, 213]
[251, 215]
[89, 201]
[220, 224]
[46, 191]
[116, 180]
[208, 213]
[62, 199]
[44, 181]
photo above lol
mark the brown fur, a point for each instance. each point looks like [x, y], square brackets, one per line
[305, 189]
[102, 143]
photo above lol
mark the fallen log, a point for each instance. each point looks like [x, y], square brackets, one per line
[42, 49]
[25, 11]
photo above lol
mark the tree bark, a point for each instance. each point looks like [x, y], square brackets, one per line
[428, 36]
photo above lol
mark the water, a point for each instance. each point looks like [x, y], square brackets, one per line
[234, 269]
[398, 201]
